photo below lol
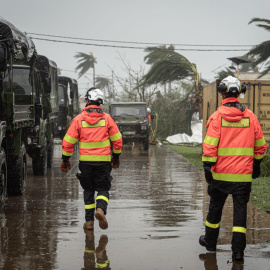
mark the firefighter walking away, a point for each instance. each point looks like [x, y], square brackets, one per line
[95, 131]
[233, 149]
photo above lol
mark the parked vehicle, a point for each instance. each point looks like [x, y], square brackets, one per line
[132, 121]
[28, 105]
[68, 102]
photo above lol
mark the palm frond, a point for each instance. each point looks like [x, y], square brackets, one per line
[259, 20]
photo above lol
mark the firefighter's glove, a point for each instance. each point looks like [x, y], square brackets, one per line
[65, 166]
[208, 176]
[115, 162]
[256, 168]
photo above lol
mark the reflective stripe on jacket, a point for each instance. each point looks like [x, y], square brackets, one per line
[94, 130]
[233, 139]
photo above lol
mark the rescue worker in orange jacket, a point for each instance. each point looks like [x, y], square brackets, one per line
[232, 152]
[95, 130]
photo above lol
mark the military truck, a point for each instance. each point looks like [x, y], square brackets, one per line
[25, 109]
[46, 113]
[68, 102]
[132, 121]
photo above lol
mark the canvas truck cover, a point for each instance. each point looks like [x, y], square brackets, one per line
[16, 40]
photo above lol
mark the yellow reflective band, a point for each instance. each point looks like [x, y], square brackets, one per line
[70, 139]
[89, 251]
[260, 142]
[235, 152]
[210, 225]
[90, 206]
[66, 153]
[232, 177]
[100, 123]
[244, 122]
[239, 229]
[116, 136]
[95, 158]
[102, 198]
[89, 145]
[117, 151]
[211, 159]
[211, 140]
[103, 265]
[258, 156]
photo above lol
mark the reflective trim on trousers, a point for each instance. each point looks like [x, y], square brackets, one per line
[213, 226]
[239, 229]
[102, 198]
[90, 206]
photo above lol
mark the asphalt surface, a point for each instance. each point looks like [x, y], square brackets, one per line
[156, 214]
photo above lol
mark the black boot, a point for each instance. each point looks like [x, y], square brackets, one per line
[203, 243]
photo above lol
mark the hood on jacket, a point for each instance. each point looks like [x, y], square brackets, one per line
[92, 117]
[230, 114]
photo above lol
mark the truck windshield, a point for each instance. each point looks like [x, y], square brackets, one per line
[61, 95]
[21, 84]
[129, 111]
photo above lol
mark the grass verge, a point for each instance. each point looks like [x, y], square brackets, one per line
[260, 193]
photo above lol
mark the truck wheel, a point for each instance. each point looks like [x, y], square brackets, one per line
[17, 173]
[39, 161]
[3, 178]
[146, 144]
[50, 154]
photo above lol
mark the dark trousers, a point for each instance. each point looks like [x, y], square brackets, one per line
[95, 178]
[217, 201]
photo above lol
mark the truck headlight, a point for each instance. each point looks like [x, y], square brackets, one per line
[143, 127]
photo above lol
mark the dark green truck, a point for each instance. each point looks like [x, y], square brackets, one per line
[68, 102]
[28, 108]
[132, 121]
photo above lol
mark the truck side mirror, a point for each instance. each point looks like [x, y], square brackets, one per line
[47, 85]
[3, 57]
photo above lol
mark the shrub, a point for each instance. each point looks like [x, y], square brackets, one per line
[265, 165]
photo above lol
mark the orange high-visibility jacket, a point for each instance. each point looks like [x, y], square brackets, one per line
[94, 129]
[233, 139]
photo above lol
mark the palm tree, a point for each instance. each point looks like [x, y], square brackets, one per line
[85, 62]
[261, 52]
[168, 66]
[104, 83]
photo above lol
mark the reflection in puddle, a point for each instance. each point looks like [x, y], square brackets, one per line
[95, 258]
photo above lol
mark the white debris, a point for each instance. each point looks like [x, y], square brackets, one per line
[196, 127]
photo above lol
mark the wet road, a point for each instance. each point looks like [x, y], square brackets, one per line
[156, 214]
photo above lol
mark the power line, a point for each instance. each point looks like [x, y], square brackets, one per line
[140, 48]
[142, 43]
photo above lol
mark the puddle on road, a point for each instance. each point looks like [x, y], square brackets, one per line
[156, 212]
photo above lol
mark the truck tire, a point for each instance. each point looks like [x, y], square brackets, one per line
[3, 178]
[50, 154]
[39, 161]
[17, 173]
[146, 144]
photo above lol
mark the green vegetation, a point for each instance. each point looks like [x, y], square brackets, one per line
[260, 194]
[192, 153]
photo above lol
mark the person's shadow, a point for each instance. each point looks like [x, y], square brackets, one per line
[210, 262]
[95, 258]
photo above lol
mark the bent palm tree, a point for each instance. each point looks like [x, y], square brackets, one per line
[168, 66]
[85, 62]
[261, 52]
[103, 83]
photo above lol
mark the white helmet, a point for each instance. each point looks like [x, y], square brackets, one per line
[229, 84]
[148, 110]
[94, 94]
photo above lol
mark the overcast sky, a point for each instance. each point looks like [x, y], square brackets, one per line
[198, 22]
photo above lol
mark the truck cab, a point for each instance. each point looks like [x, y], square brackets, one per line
[132, 121]
[68, 102]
